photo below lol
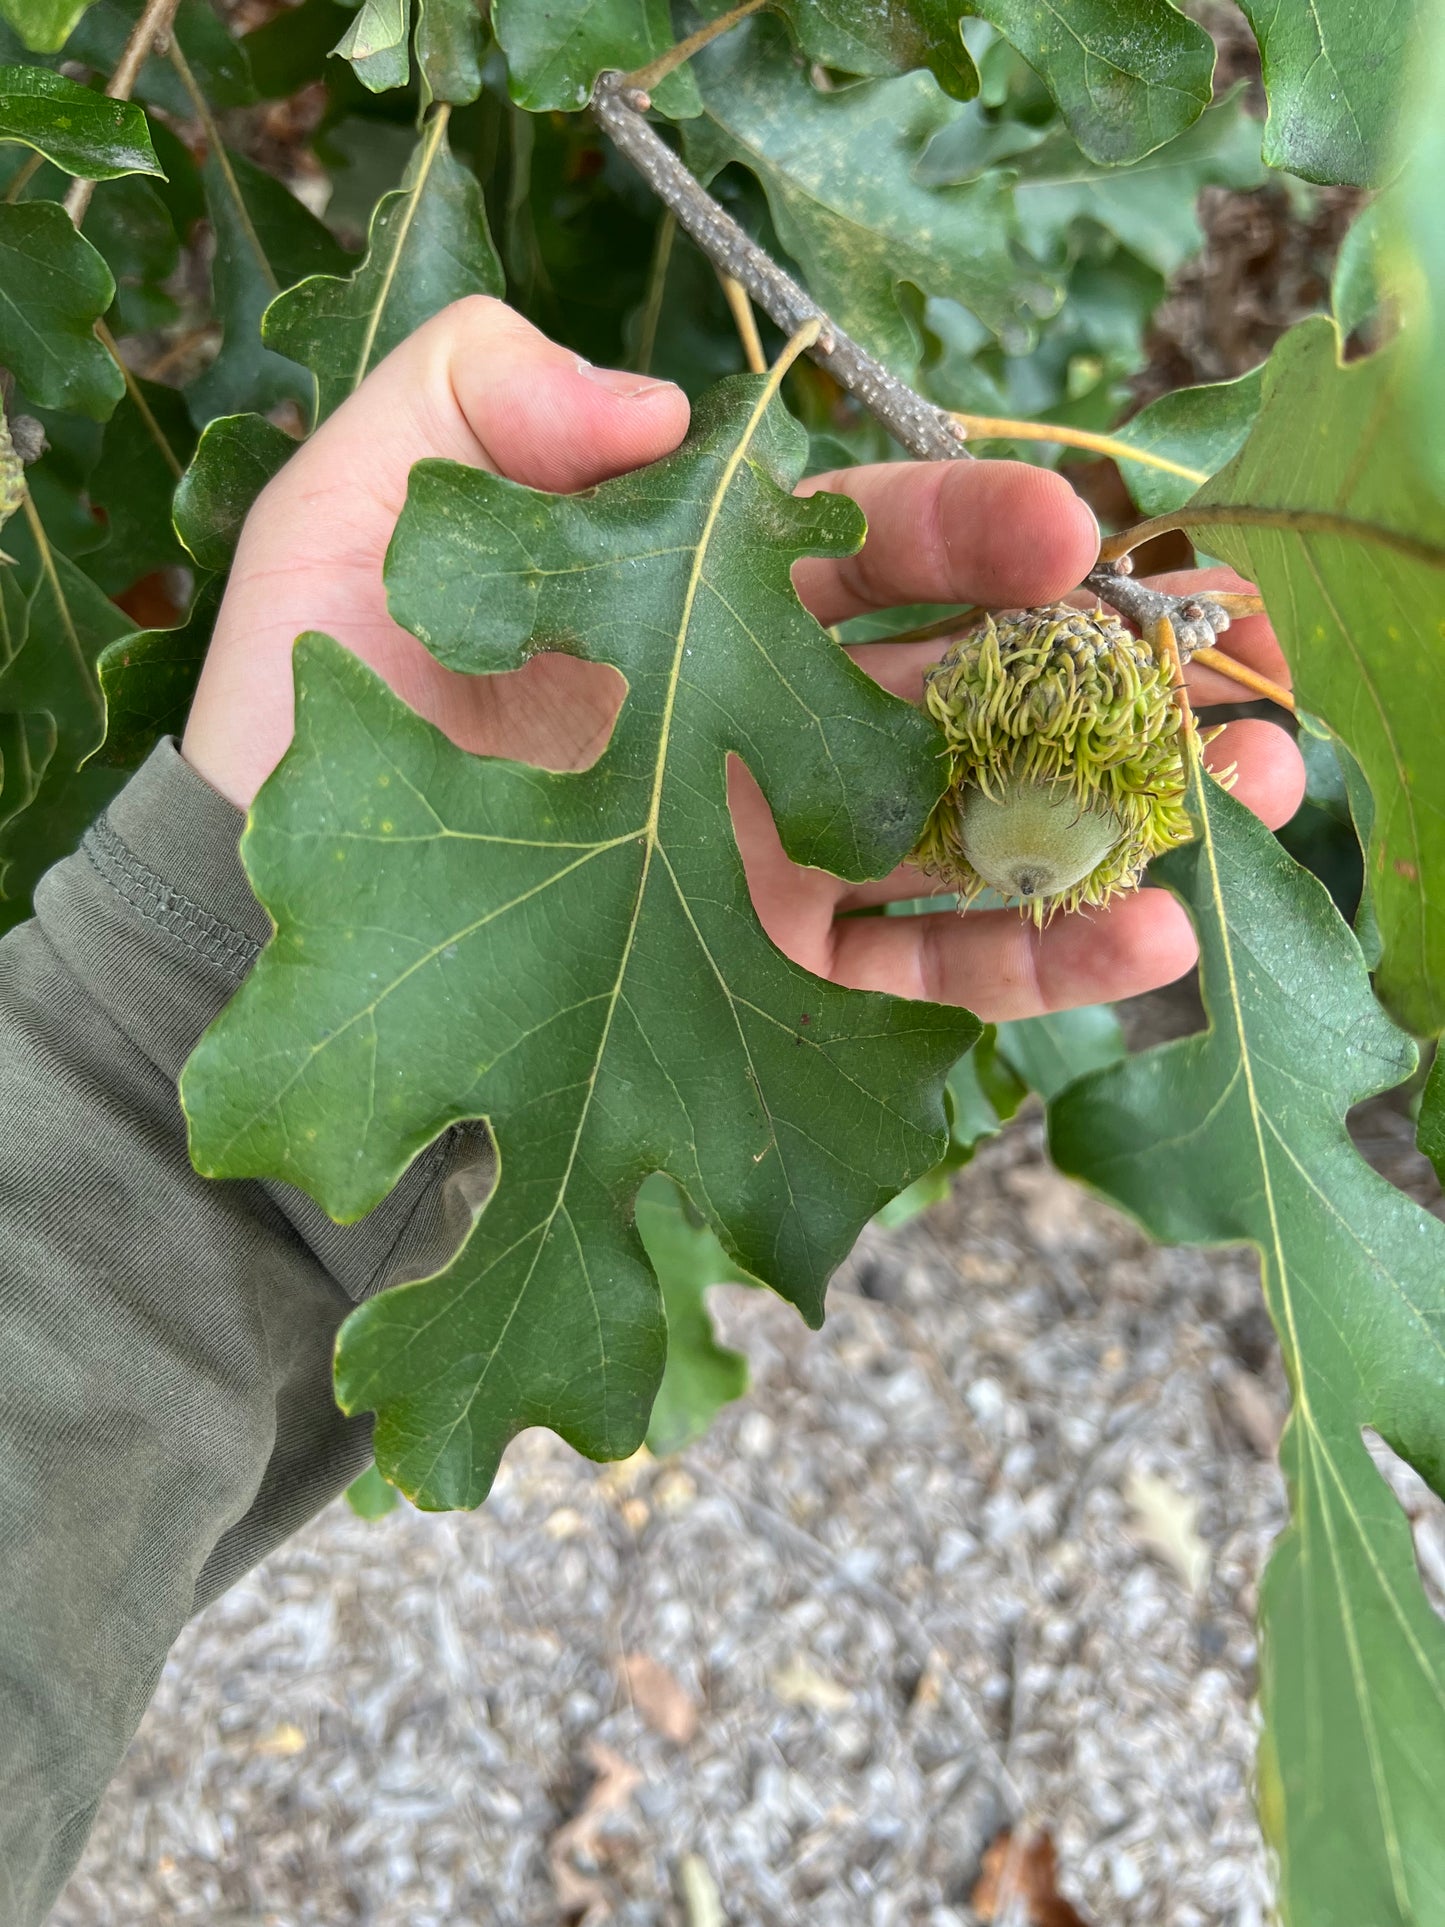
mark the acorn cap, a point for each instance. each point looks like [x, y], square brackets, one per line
[1066, 763]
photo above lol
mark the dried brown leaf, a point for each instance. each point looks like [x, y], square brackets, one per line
[660, 1698]
[1020, 1881]
[580, 1897]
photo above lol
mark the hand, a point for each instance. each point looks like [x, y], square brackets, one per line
[993, 961]
[478, 384]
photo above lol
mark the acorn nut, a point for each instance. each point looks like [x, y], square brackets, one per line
[1066, 760]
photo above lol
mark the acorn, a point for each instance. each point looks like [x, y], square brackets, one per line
[1066, 760]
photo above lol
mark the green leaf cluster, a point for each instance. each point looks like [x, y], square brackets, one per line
[994, 198]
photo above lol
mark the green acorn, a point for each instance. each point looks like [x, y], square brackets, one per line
[1066, 760]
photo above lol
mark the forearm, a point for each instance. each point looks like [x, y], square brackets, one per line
[165, 1403]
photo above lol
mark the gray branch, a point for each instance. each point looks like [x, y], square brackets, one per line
[923, 428]
[1197, 621]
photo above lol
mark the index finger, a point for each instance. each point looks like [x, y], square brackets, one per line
[1004, 533]
[1251, 640]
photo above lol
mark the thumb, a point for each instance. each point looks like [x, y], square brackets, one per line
[475, 384]
[479, 384]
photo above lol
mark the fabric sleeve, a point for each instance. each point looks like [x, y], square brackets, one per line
[166, 1414]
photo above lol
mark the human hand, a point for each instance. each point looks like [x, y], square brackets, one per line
[478, 384]
[996, 962]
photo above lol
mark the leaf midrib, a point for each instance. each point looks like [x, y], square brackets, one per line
[435, 130]
[1317, 1452]
[651, 846]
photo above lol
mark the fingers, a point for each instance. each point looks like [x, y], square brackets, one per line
[479, 384]
[1270, 772]
[1000, 967]
[1249, 639]
[1003, 533]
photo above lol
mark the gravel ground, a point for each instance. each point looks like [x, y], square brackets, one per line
[982, 1552]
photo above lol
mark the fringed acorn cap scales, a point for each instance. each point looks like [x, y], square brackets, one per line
[1066, 765]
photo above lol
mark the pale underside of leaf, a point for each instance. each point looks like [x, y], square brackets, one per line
[1354, 1660]
[1326, 510]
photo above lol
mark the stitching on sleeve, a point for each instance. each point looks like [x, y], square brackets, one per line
[153, 899]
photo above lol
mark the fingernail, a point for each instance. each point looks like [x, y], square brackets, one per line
[617, 381]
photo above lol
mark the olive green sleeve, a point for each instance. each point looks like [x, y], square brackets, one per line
[165, 1342]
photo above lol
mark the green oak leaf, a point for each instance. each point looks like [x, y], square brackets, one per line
[375, 44]
[986, 1087]
[1335, 785]
[147, 442]
[1150, 207]
[26, 741]
[555, 53]
[860, 232]
[878, 37]
[576, 958]
[1416, 246]
[1325, 509]
[265, 241]
[131, 228]
[1126, 78]
[1050, 1053]
[235, 458]
[981, 1095]
[53, 673]
[293, 48]
[1430, 1134]
[43, 25]
[80, 130]
[370, 1497]
[1356, 284]
[1333, 71]
[1238, 1135]
[451, 45]
[429, 245]
[971, 142]
[1196, 430]
[147, 680]
[54, 287]
[700, 1376]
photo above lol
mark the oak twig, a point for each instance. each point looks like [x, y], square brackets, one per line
[145, 36]
[922, 428]
[22, 177]
[925, 430]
